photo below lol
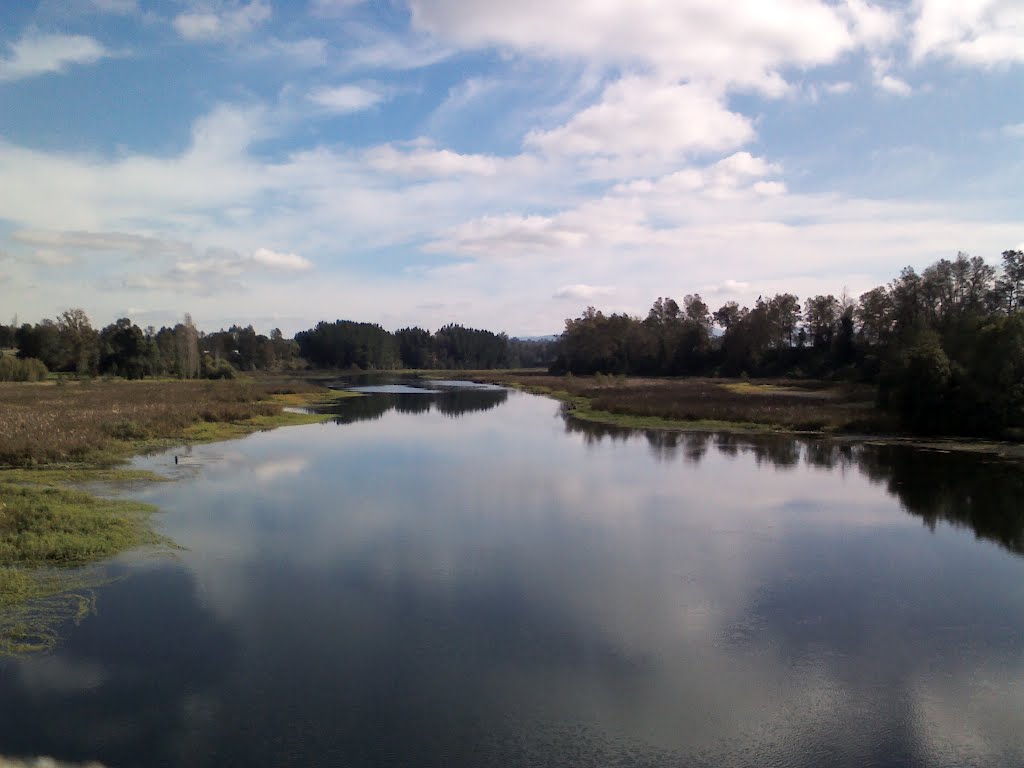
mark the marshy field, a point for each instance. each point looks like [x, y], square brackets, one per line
[103, 422]
[57, 435]
[696, 403]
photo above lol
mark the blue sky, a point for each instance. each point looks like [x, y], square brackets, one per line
[497, 164]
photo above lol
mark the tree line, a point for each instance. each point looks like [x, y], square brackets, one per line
[348, 344]
[70, 344]
[945, 347]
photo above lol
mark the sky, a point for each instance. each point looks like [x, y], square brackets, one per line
[498, 164]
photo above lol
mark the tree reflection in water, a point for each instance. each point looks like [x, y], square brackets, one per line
[449, 402]
[977, 492]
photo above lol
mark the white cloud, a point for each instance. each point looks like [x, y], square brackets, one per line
[98, 241]
[769, 188]
[426, 161]
[839, 88]
[887, 82]
[345, 99]
[894, 85]
[740, 175]
[506, 228]
[1014, 130]
[39, 54]
[213, 271]
[51, 258]
[743, 165]
[283, 262]
[975, 33]
[743, 43]
[218, 263]
[395, 54]
[215, 23]
[640, 117]
[583, 292]
[730, 287]
[873, 25]
[509, 236]
[728, 217]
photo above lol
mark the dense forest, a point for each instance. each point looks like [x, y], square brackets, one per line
[945, 347]
[345, 344]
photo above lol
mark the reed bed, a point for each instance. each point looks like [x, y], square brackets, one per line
[102, 421]
[781, 404]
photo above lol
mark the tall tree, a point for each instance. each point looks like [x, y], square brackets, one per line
[1010, 287]
[822, 318]
[187, 348]
[79, 341]
[874, 316]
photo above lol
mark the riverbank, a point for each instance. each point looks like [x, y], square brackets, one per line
[55, 436]
[807, 407]
[780, 406]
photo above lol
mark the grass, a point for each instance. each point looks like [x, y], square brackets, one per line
[700, 403]
[45, 533]
[60, 434]
[53, 526]
[106, 422]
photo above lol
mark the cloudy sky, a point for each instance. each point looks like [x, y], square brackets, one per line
[500, 164]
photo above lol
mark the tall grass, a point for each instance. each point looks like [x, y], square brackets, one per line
[98, 421]
[810, 406]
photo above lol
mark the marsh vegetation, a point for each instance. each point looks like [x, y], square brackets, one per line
[694, 403]
[102, 422]
[58, 434]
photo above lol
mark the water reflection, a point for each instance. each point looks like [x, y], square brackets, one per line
[505, 589]
[447, 400]
[981, 493]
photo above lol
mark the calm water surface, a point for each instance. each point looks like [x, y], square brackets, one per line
[465, 578]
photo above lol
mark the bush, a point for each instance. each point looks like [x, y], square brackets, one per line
[27, 369]
[221, 369]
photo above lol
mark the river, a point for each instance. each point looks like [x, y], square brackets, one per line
[465, 577]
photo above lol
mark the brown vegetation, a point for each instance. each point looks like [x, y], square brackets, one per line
[102, 421]
[781, 404]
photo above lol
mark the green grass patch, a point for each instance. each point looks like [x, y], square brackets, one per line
[312, 399]
[215, 431]
[585, 413]
[746, 388]
[47, 525]
[46, 534]
[78, 474]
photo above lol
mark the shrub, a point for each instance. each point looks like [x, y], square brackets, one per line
[28, 369]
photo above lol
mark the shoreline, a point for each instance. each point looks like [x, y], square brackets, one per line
[579, 407]
[54, 528]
